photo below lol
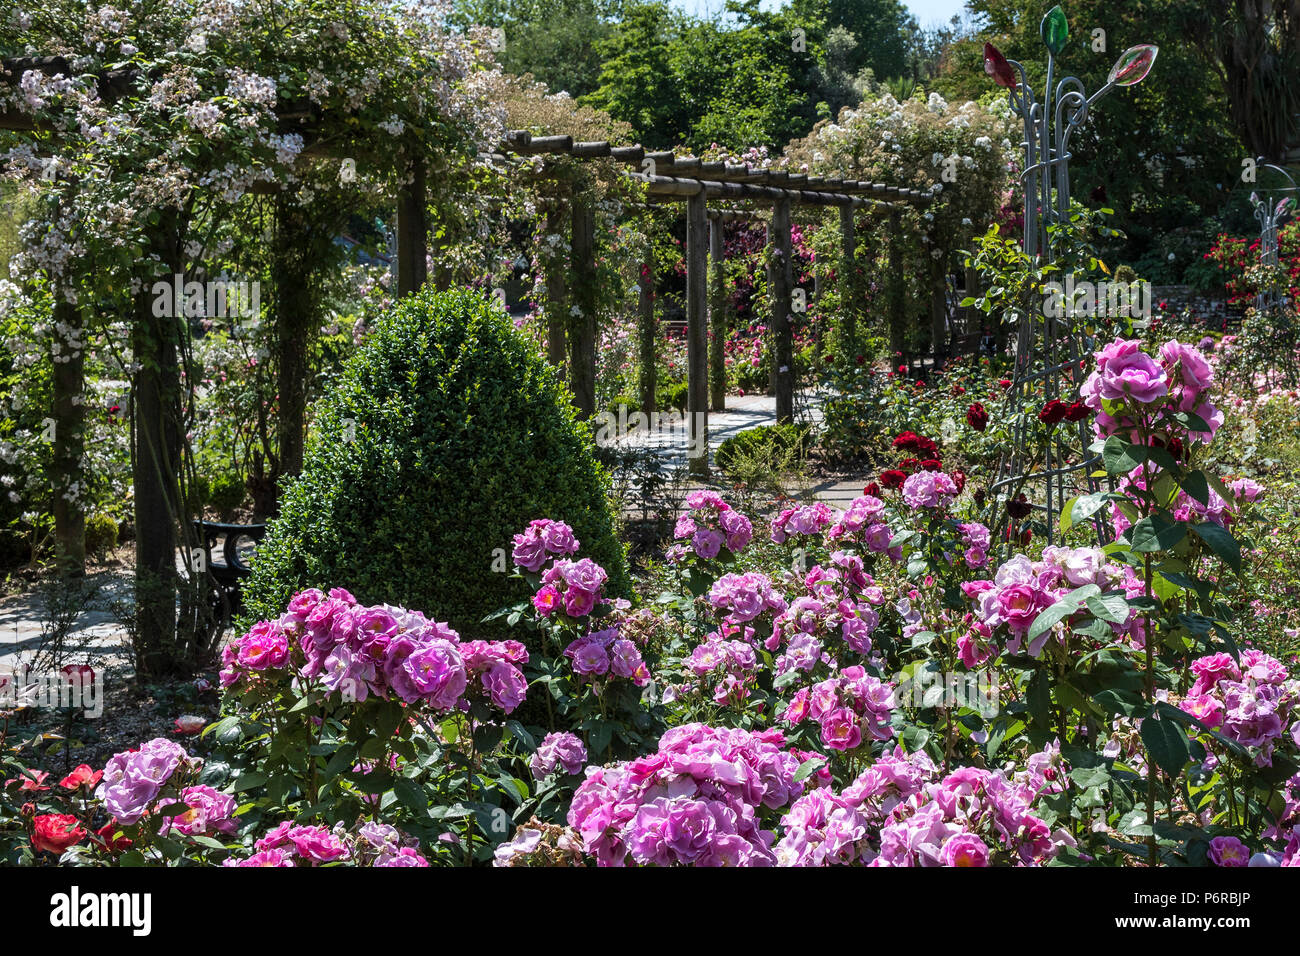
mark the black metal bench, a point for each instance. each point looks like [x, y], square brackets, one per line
[226, 574]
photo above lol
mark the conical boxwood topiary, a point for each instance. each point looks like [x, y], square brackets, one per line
[444, 436]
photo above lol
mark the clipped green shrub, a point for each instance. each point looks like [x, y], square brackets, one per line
[770, 442]
[101, 534]
[676, 396]
[227, 493]
[444, 436]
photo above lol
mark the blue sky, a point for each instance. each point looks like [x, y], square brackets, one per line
[925, 11]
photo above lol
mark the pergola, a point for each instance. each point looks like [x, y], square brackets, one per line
[670, 177]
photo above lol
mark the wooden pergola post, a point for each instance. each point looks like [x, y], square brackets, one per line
[647, 334]
[897, 341]
[412, 232]
[557, 303]
[850, 289]
[582, 336]
[68, 385]
[717, 317]
[938, 312]
[697, 343]
[782, 283]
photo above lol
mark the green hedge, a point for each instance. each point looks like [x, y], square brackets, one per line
[460, 435]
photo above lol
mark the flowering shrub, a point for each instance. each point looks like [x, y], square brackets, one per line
[700, 800]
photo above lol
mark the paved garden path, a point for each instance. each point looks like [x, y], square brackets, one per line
[668, 437]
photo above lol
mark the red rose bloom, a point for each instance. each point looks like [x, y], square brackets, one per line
[959, 479]
[909, 464]
[906, 440]
[106, 832]
[1019, 508]
[1077, 412]
[932, 464]
[56, 832]
[977, 417]
[1053, 413]
[892, 478]
[872, 489]
[1005, 383]
[82, 776]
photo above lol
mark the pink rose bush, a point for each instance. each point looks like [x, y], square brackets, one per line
[803, 521]
[382, 651]
[1252, 701]
[712, 527]
[369, 844]
[850, 709]
[699, 800]
[902, 812]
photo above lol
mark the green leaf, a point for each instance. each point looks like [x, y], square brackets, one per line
[1120, 457]
[809, 767]
[249, 780]
[1112, 607]
[1156, 533]
[922, 638]
[1063, 608]
[1197, 487]
[1080, 509]
[1166, 743]
[411, 796]
[1221, 542]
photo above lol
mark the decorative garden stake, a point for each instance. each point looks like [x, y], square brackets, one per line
[1269, 213]
[1048, 124]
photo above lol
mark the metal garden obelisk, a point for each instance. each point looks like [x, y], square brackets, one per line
[1047, 345]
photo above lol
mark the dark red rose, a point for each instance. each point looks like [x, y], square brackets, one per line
[980, 497]
[893, 478]
[977, 417]
[872, 489]
[1053, 413]
[959, 479]
[909, 464]
[919, 383]
[1005, 383]
[1019, 508]
[906, 440]
[1077, 412]
[861, 359]
[932, 464]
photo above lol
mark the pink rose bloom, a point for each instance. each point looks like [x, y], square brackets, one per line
[579, 602]
[1211, 669]
[1020, 605]
[1194, 371]
[275, 838]
[209, 812]
[558, 538]
[1129, 373]
[546, 600]
[317, 844]
[505, 685]
[265, 645]
[798, 708]
[589, 658]
[1206, 708]
[840, 730]
[1229, 851]
[707, 543]
[273, 858]
[965, 849]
